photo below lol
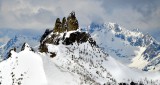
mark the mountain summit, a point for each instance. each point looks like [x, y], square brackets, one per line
[76, 52]
[66, 25]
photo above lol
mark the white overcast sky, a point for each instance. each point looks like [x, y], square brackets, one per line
[41, 14]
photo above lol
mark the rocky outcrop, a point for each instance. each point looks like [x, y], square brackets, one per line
[58, 26]
[78, 37]
[66, 25]
[72, 22]
[54, 37]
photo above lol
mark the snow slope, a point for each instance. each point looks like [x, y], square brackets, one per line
[81, 59]
[30, 68]
[24, 67]
[57, 76]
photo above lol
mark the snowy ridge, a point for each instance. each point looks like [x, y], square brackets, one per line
[30, 68]
[80, 58]
[24, 68]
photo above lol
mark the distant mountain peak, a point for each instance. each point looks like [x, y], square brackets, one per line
[115, 27]
[16, 42]
[123, 44]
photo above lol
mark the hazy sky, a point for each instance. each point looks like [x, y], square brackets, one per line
[41, 14]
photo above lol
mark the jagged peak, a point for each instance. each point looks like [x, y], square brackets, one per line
[72, 14]
[66, 25]
[26, 46]
[115, 28]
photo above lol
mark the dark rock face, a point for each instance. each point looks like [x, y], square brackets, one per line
[52, 55]
[47, 32]
[52, 40]
[79, 37]
[43, 47]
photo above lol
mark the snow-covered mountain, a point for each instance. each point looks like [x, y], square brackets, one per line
[73, 64]
[17, 42]
[77, 53]
[130, 47]
[66, 61]
[100, 55]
